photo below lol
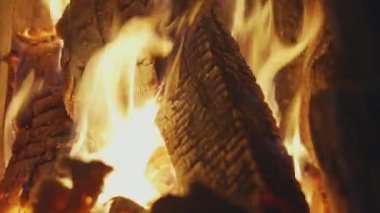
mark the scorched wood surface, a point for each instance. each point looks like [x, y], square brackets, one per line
[217, 128]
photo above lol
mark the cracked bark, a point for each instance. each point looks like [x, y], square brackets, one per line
[247, 173]
[42, 128]
[217, 128]
[86, 26]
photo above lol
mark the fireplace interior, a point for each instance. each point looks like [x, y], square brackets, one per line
[189, 106]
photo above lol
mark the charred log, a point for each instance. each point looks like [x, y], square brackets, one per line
[86, 26]
[42, 128]
[199, 199]
[346, 90]
[217, 128]
[343, 85]
[87, 180]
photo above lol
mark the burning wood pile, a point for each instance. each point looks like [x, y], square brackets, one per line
[167, 106]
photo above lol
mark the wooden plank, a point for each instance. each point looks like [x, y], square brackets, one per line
[6, 11]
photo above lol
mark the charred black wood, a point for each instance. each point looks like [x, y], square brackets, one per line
[87, 182]
[346, 141]
[199, 199]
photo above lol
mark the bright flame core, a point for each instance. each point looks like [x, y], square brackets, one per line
[56, 9]
[266, 52]
[112, 127]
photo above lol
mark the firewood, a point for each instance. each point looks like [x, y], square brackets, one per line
[87, 180]
[42, 128]
[83, 36]
[199, 199]
[217, 127]
[236, 116]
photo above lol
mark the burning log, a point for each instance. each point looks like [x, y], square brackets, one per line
[249, 159]
[345, 91]
[87, 180]
[42, 128]
[83, 37]
[199, 199]
[217, 128]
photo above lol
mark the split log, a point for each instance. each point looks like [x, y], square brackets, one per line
[340, 113]
[86, 26]
[345, 84]
[42, 128]
[294, 80]
[217, 128]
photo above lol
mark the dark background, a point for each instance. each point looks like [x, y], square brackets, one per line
[357, 105]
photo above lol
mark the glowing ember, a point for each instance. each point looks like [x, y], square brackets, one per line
[112, 127]
[267, 54]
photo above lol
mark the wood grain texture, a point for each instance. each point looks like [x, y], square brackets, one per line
[86, 26]
[217, 128]
[42, 128]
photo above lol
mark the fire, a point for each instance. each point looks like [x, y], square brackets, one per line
[14, 108]
[267, 54]
[56, 9]
[293, 140]
[116, 122]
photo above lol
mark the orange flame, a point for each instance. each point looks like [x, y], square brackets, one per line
[12, 112]
[267, 54]
[56, 9]
[111, 128]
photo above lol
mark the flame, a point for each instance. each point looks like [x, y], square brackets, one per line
[112, 126]
[265, 51]
[293, 140]
[267, 54]
[14, 108]
[56, 9]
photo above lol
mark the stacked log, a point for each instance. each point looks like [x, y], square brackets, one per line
[242, 153]
[345, 85]
[42, 129]
[86, 26]
[216, 124]
[338, 105]
[217, 128]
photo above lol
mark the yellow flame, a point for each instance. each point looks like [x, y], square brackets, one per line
[18, 209]
[293, 140]
[111, 127]
[267, 54]
[56, 9]
[14, 108]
